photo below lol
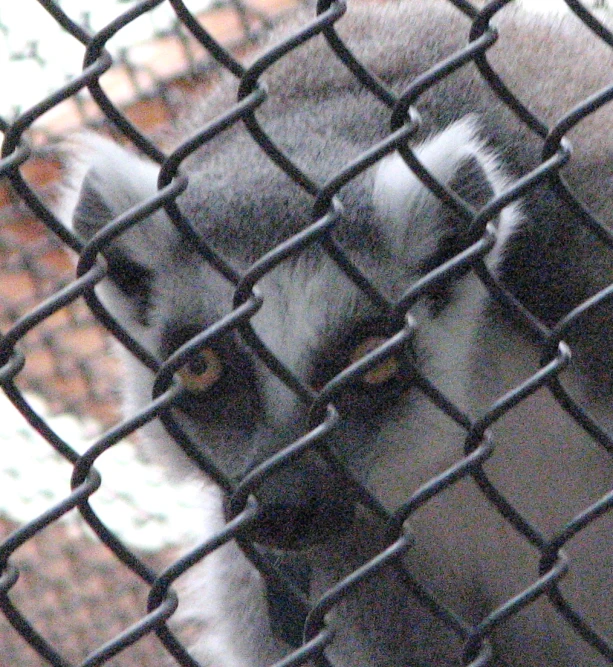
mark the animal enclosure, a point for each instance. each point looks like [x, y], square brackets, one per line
[38, 293]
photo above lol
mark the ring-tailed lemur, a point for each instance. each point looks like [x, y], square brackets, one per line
[390, 436]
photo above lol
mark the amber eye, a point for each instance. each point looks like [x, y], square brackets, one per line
[202, 372]
[385, 371]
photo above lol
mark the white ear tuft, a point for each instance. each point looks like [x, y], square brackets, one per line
[412, 217]
[105, 180]
[122, 177]
[397, 191]
[443, 153]
[108, 180]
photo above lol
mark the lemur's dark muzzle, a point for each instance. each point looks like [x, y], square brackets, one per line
[300, 504]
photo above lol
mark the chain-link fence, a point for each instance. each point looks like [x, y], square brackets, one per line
[546, 117]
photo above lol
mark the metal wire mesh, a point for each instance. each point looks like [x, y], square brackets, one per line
[162, 599]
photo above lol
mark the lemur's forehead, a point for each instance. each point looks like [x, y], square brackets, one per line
[244, 218]
[309, 309]
[305, 303]
[308, 304]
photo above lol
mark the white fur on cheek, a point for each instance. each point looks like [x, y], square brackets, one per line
[223, 593]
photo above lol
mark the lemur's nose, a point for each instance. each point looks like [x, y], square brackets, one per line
[294, 527]
[302, 504]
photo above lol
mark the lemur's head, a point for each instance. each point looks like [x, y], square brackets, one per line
[309, 314]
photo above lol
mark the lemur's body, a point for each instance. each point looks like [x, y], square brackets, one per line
[314, 319]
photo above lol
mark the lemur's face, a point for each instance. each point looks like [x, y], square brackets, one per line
[274, 380]
[318, 324]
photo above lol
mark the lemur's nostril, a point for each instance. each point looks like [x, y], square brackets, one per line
[298, 526]
[284, 526]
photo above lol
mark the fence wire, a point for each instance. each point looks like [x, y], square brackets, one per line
[17, 151]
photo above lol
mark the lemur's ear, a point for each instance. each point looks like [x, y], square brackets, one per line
[423, 230]
[113, 181]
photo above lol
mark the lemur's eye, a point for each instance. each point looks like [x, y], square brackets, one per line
[387, 378]
[385, 371]
[202, 372]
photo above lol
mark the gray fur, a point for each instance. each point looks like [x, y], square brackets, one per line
[395, 230]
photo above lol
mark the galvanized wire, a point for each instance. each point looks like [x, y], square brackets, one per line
[326, 210]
